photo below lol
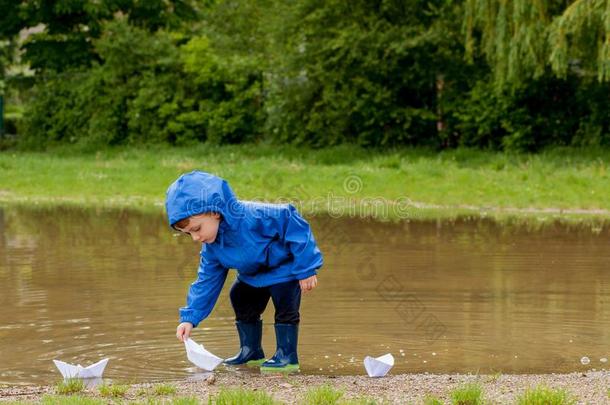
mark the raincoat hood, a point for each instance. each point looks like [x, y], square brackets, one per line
[198, 193]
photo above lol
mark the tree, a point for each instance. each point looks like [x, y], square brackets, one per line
[10, 24]
[364, 72]
[70, 26]
[522, 39]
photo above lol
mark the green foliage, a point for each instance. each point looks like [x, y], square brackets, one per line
[12, 119]
[164, 389]
[138, 86]
[468, 394]
[70, 27]
[147, 89]
[69, 400]
[113, 390]
[359, 72]
[580, 39]
[70, 386]
[230, 90]
[515, 75]
[322, 395]
[10, 24]
[432, 400]
[522, 38]
[237, 396]
[56, 52]
[185, 401]
[542, 395]
[10, 20]
[533, 116]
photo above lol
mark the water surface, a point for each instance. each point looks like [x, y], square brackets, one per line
[79, 285]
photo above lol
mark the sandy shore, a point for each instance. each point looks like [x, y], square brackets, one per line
[589, 388]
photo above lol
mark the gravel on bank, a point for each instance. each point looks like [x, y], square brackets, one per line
[589, 388]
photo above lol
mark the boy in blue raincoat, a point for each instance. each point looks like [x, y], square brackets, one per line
[270, 245]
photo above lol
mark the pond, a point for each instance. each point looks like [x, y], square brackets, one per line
[462, 296]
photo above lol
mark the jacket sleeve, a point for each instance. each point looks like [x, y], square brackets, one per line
[204, 292]
[299, 239]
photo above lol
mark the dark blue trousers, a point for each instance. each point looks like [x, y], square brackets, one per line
[250, 302]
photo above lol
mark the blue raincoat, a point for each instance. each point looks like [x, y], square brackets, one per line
[266, 243]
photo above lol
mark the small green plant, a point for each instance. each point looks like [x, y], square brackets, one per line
[164, 389]
[70, 400]
[432, 400]
[70, 386]
[17, 403]
[469, 394]
[322, 395]
[113, 390]
[542, 395]
[359, 401]
[241, 397]
[185, 401]
[494, 377]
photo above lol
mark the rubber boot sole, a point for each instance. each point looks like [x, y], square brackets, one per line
[248, 363]
[255, 362]
[289, 368]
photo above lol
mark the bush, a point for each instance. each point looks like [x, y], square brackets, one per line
[541, 113]
[371, 74]
[356, 72]
[149, 88]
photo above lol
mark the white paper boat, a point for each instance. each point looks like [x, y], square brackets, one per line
[77, 371]
[378, 366]
[200, 357]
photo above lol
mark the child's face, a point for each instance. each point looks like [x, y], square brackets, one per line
[203, 228]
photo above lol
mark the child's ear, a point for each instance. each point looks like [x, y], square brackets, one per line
[215, 215]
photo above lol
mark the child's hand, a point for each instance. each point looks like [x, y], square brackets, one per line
[183, 331]
[308, 283]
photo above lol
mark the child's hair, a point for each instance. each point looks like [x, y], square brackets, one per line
[183, 223]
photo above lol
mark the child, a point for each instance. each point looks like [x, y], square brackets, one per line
[270, 245]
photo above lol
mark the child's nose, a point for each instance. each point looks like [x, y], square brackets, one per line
[195, 237]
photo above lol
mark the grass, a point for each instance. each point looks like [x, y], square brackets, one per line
[238, 396]
[468, 394]
[542, 395]
[164, 389]
[185, 401]
[494, 377]
[322, 395]
[414, 183]
[70, 400]
[327, 395]
[83, 400]
[432, 400]
[70, 386]
[113, 390]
